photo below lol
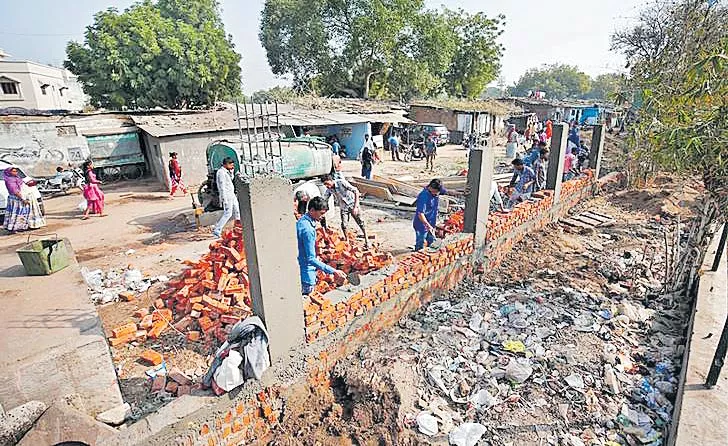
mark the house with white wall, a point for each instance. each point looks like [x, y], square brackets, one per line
[35, 86]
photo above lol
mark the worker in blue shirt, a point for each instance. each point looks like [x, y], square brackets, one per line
[308, 262]
[522, 182]
[426, 213]
[394, 147]
[335, 146]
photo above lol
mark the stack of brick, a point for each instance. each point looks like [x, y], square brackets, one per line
[454, 224]
[323, 316]
[204, 301]
[345, 252]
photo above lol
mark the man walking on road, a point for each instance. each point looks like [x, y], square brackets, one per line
[308, 262]
[346, 198]
[394, 147]
[226, 191]
[367, 157]
[430, 152]
[426, 213]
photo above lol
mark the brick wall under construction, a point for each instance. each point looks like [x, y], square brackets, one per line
[339, 321]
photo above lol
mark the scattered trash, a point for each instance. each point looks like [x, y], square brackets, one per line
[107, 287]
[575, 380]
[518, 370]
[467, 434]
[514, 346]
[426, 423]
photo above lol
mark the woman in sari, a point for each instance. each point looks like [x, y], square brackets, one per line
[22, 211]
[92, 192]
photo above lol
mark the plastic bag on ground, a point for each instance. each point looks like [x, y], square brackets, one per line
[467, 434]
[83, 205]
[518, 371]
[94, 279]
[229, 376]
[426, 423]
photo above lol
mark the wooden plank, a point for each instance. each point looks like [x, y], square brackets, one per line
[375, 191]
[404, 199]
[572, 222]
[598, 216]
[402, 187]
[587, 220]
[376, 183]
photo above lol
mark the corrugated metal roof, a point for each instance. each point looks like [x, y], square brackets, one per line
[178, 123]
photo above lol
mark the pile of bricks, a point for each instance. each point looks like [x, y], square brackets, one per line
[345, 252]
[454, 224]
[322, 316]
[203, 302]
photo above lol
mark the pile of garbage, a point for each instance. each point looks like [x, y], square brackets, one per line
[585, 355]
[113, 285]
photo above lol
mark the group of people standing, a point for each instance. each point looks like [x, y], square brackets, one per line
[23, 212]
[529, 172]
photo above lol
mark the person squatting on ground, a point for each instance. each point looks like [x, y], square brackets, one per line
[95, 199]
[308, 262]
[226, 192]
[521, 182]
[22, 211]
[346, 197]
[175, 175]
[426, 213]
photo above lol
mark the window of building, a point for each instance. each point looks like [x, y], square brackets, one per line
[44, 88]
[66, 130]
[9, 87]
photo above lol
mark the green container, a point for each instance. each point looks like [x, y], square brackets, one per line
[44, 257]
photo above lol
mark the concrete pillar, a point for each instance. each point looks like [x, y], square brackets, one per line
[555, 173]
[597, 147]
[269, 232]
[477, 203]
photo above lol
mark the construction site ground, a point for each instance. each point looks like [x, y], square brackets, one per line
[145, 230]
[436, 360]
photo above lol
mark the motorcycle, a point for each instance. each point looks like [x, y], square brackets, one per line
[62, 182]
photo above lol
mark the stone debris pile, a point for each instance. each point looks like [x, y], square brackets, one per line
[117, 284]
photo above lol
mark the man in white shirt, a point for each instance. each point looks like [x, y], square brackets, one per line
[226, 191]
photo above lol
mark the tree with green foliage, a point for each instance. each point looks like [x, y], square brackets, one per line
[678, 59]
[387, 48]
[275, 94]
[172, 53]
[476, 61]
[558, 81]
[604, 87]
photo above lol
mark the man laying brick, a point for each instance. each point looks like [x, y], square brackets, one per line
[308, 262]
[346, 198]
[521, 182]
[426, 213]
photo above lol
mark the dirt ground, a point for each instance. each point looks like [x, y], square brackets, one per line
[145, 230]
[556, 272]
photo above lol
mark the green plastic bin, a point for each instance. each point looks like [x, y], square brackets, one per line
[44, 257]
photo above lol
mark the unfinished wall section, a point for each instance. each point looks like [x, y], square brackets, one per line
[338, 322]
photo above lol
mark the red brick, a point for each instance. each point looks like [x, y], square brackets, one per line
[159, 383]
[151, 357]
[183, 390]
[124, 330]
[179, 378]
[171, 387]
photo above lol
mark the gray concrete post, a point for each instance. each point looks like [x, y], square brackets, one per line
[597, 148]
[269, 233]
[555, 173]
[477, 202]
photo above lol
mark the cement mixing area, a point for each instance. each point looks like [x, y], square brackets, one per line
[576, 317]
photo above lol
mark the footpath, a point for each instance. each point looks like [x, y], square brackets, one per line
[702, 419]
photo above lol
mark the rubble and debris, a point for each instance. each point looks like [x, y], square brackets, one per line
[116, 415]
[117, 284]
[546, 352]
[18, 420]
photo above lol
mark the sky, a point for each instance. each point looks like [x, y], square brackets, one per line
[536, 32]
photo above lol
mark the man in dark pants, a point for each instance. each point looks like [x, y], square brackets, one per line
[346, 198]
[308, 262]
